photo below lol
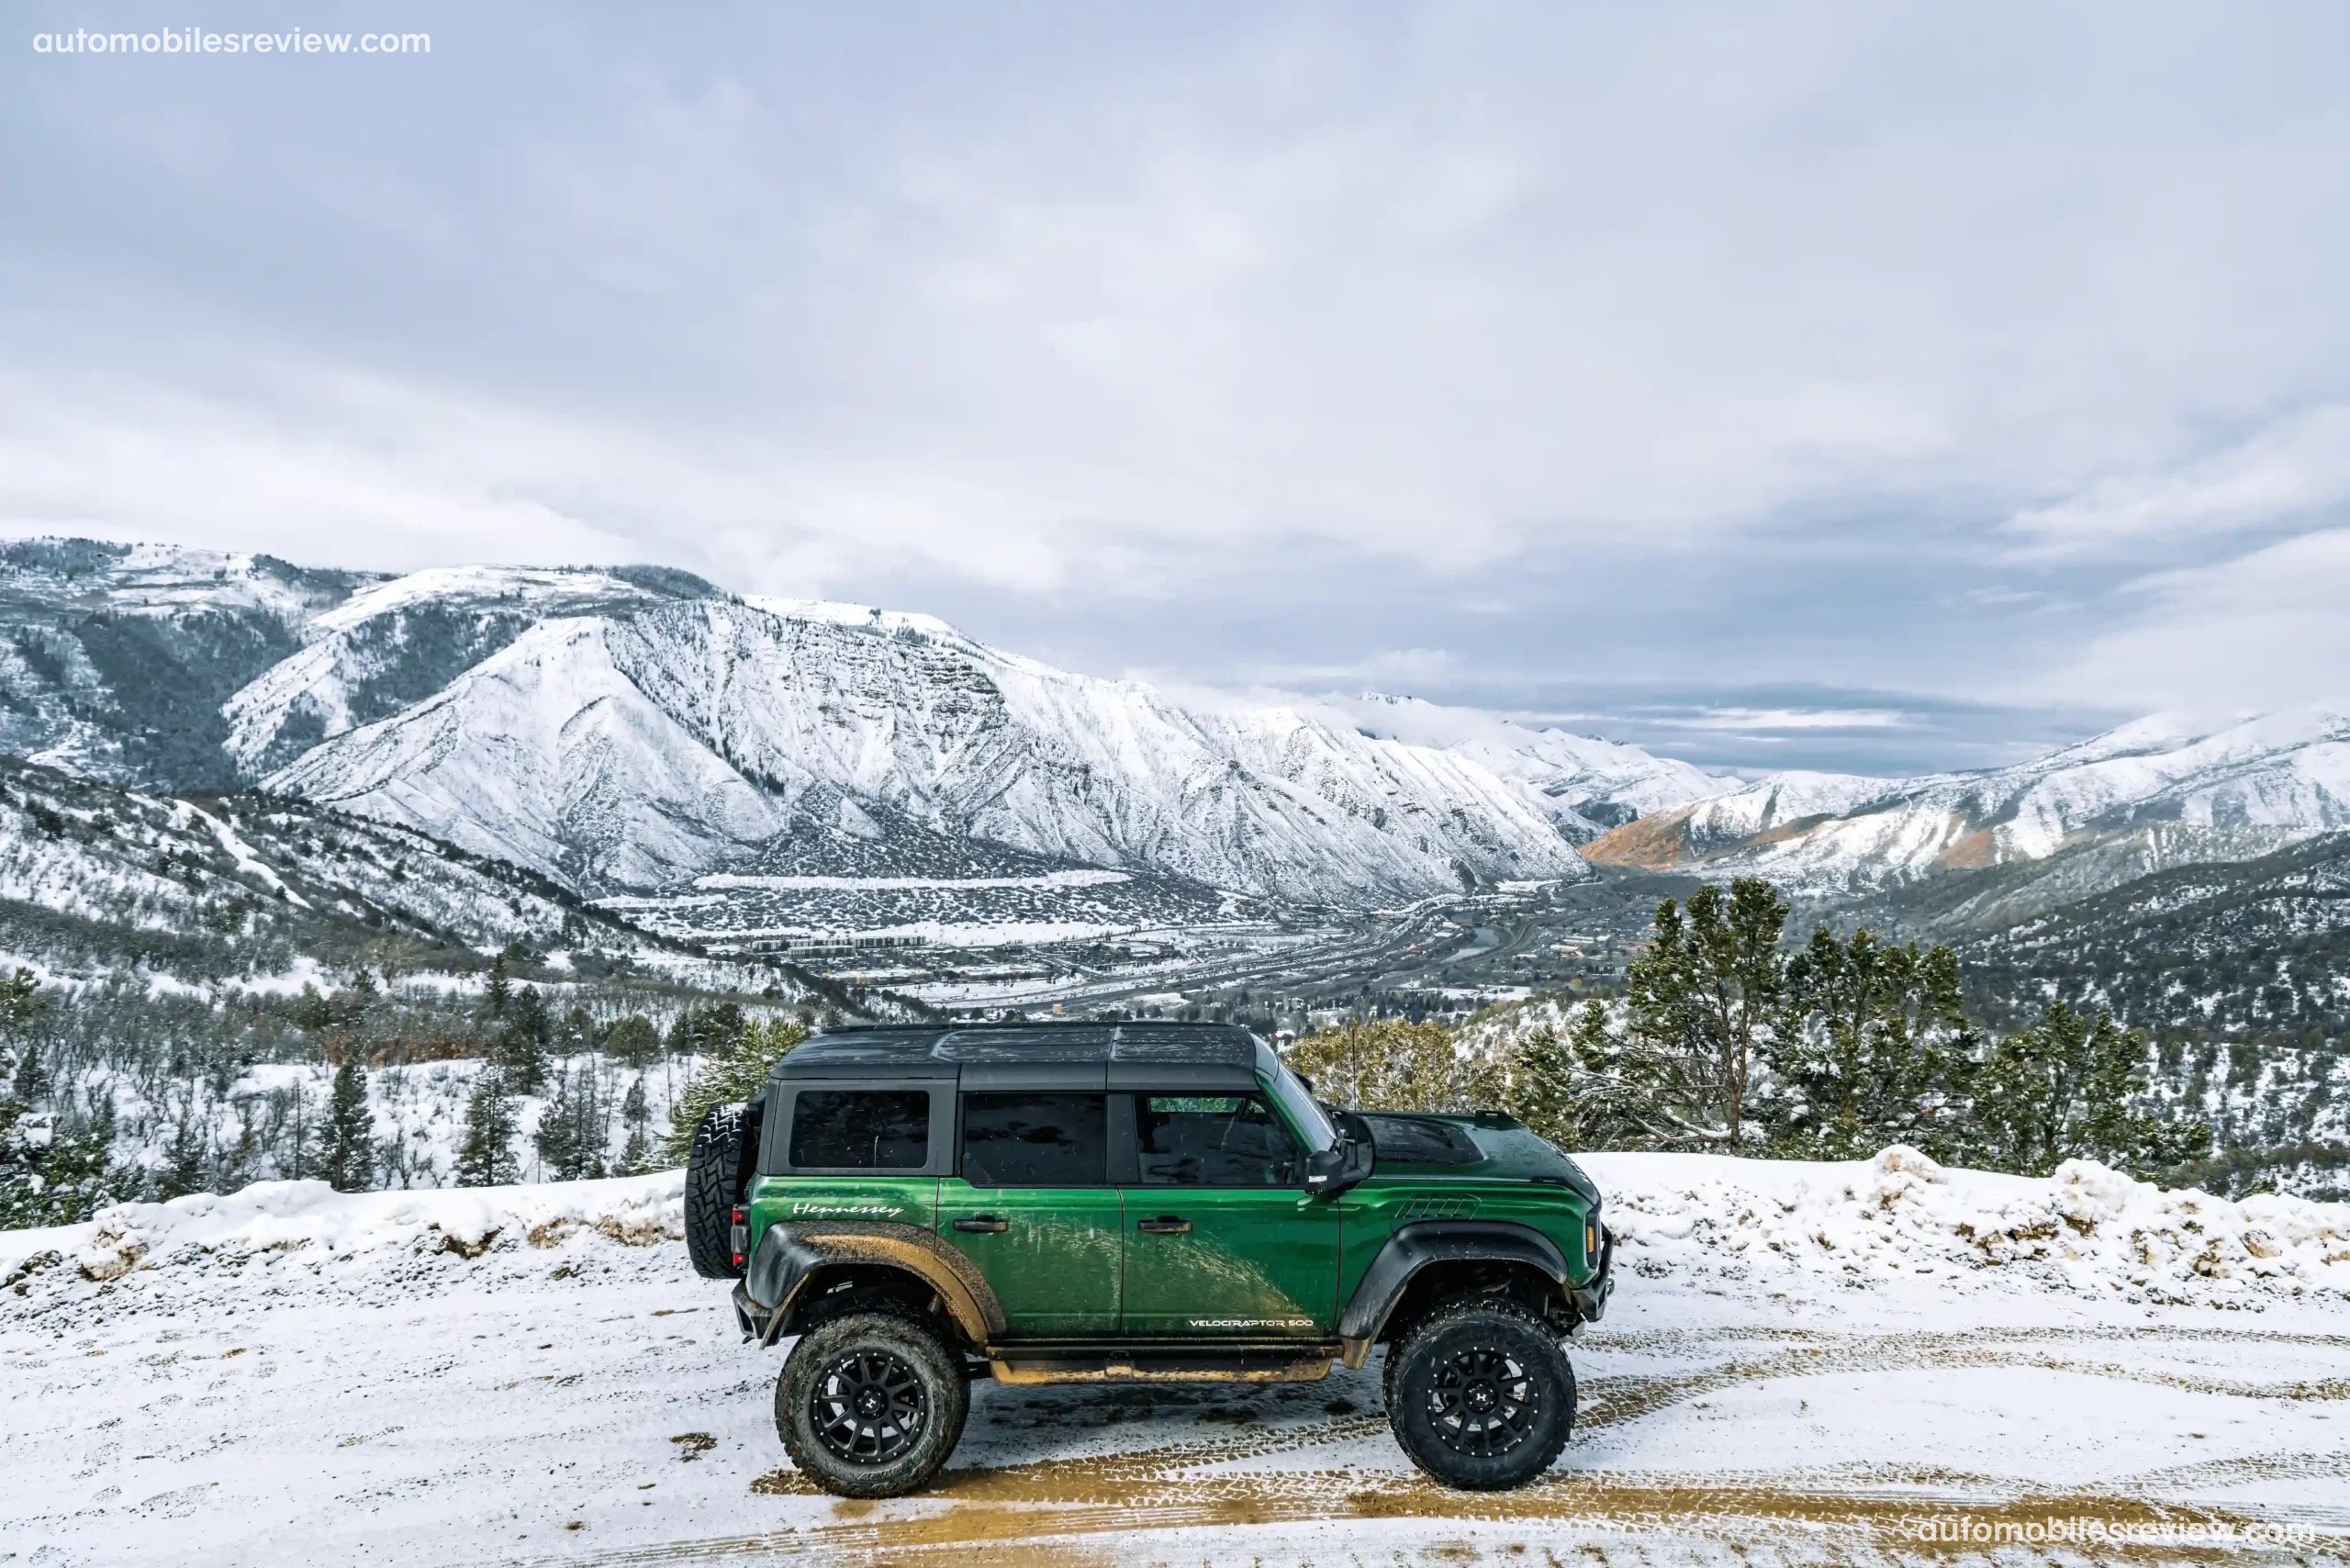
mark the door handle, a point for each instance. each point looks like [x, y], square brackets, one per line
[1165, 1224]
[983, 1224]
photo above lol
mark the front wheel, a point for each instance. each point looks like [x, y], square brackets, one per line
[1480, 1395]
[870, 1405]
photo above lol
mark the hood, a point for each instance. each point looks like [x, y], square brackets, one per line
[1488, 1144]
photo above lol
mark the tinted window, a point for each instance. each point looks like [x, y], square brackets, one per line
[861, 1129]
[1035, 1140]
[1214, 1140]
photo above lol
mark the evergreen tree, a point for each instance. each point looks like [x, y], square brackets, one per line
[636, 1155]
[1873, 1048]
[2061, 1090]
[187, 1159]
[713, 1031]
[1699, 1004]
[55, 1168]
[1394, 1064]
[76, 1169]
[348, 1159]
[497, 989]
[735, 1076]
[570, 1136]
[1542, 1088]
[300, 1134]
[633, 1040]
[520, 1048]
[486, 1150]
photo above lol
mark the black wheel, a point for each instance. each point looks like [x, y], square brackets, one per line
[1480, 1395]
[717, 1171]
[870, 1405]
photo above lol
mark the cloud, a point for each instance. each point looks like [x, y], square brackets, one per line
[1773, 718]
[1664, 345]
[2265, 630]
[2284, 472]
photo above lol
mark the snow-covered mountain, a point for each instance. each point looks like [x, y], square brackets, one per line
[1587, 786]
[631, 729]
[114, 658]
[637, 749]
[628, 728]
[2162, 791]
[396, 642]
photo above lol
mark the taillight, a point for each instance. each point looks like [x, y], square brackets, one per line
[739, 1236]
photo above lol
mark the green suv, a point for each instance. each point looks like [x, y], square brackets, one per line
[1133, 1201]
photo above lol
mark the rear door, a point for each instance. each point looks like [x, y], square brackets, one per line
[1033, 1207]
[1222, 1240]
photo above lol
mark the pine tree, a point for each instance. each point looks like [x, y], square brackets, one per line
[77, 1169]
[1543, 1089]
[1395, 1064]
[734, 1076]
[633, 1040]
[636, 1155]
[521, 1049]
[347, 1157]
[300, 1133]
[1873, 1048]
[55, 1168]
[570, 1136]
[498, 987]
[1699, 1004]
[2061, 1090]
[186, 1159]
[485, 1151]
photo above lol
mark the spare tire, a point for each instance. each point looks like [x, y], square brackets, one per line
[718, 1173]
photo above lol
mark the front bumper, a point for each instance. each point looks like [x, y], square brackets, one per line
[1591, 1298]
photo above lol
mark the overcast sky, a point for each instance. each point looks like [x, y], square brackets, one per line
[1872, 386]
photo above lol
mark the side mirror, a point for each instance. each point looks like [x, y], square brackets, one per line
[1343, 1165]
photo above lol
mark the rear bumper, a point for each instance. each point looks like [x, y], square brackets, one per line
[1591, 1298]
[747, 1312]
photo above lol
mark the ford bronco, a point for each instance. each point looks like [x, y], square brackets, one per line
[919, 1207]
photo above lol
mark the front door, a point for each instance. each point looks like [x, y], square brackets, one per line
[1222, 1240]
[1034, 1208]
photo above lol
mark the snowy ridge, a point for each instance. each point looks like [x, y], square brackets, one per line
[635, 753]
[395, 642]
[1587, 785]
[2170, 790]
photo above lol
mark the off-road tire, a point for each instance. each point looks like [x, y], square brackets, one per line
[1480, 1395]
[878, 1346]
[714, 1182]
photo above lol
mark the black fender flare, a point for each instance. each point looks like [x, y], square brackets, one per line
[1422, 1245]
[789, 1255]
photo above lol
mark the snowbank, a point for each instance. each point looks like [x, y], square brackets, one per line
[1898, 1226]
[1902, 1221]
[303, 1239]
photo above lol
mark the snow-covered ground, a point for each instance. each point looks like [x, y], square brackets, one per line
[1803, 1363]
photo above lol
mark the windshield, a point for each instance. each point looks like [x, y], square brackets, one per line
[1296, 1104]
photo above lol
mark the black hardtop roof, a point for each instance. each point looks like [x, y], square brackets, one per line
[943, 1049]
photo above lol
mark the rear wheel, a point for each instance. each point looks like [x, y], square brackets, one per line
[870, 1405]
[1480, 1395]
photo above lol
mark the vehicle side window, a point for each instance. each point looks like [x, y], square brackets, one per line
[1213, 1140]
[1035, 1140]
[861, 1129]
